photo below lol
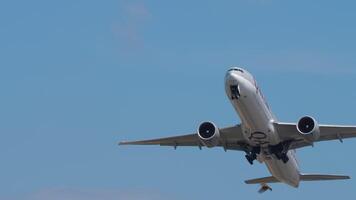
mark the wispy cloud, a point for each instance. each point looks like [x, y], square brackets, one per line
[133, 16]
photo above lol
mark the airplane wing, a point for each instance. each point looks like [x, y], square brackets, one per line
[289, 132]
[230, 138]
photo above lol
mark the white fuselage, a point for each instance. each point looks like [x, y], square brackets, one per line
[257, 124]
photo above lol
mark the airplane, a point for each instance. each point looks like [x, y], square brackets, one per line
[260, 135]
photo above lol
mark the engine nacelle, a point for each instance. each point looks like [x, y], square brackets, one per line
[308, 127]
[209, 134]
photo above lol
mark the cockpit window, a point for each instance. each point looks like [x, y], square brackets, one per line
[236, 69]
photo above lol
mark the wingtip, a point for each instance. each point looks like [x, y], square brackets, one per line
[126, 143]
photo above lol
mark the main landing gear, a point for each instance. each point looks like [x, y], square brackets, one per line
[283, 157]
[280, 151]
[250, 158]
[252, 155]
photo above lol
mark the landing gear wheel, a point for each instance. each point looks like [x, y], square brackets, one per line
[282, 156]
[280, 151]
[250, 158]
[285, 158]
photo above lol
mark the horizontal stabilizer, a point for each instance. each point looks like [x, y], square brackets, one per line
[321, 177]
[303, 177]
[269, 179]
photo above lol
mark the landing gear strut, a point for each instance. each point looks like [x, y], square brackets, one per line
[280, 151]
[252, 155]
[283, 157]
[250, 158]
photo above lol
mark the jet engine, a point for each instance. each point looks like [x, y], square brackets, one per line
[308, 127]
[209, 134]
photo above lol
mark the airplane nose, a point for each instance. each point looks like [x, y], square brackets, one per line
[231, 78]
[228, 75]
[235, 75]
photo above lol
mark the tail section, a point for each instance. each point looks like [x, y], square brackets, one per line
[264, 180]
[303, 177]
[321, 177]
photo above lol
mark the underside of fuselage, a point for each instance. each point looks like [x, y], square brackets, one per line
[263, 143]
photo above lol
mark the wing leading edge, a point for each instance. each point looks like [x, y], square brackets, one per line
[230, 138]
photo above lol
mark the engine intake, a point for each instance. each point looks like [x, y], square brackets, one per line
[209, 134]
[308, 127]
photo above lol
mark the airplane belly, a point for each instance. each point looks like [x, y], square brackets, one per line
[285, 172]
[258, 129]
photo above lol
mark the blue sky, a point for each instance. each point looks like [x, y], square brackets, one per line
[76, 77]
